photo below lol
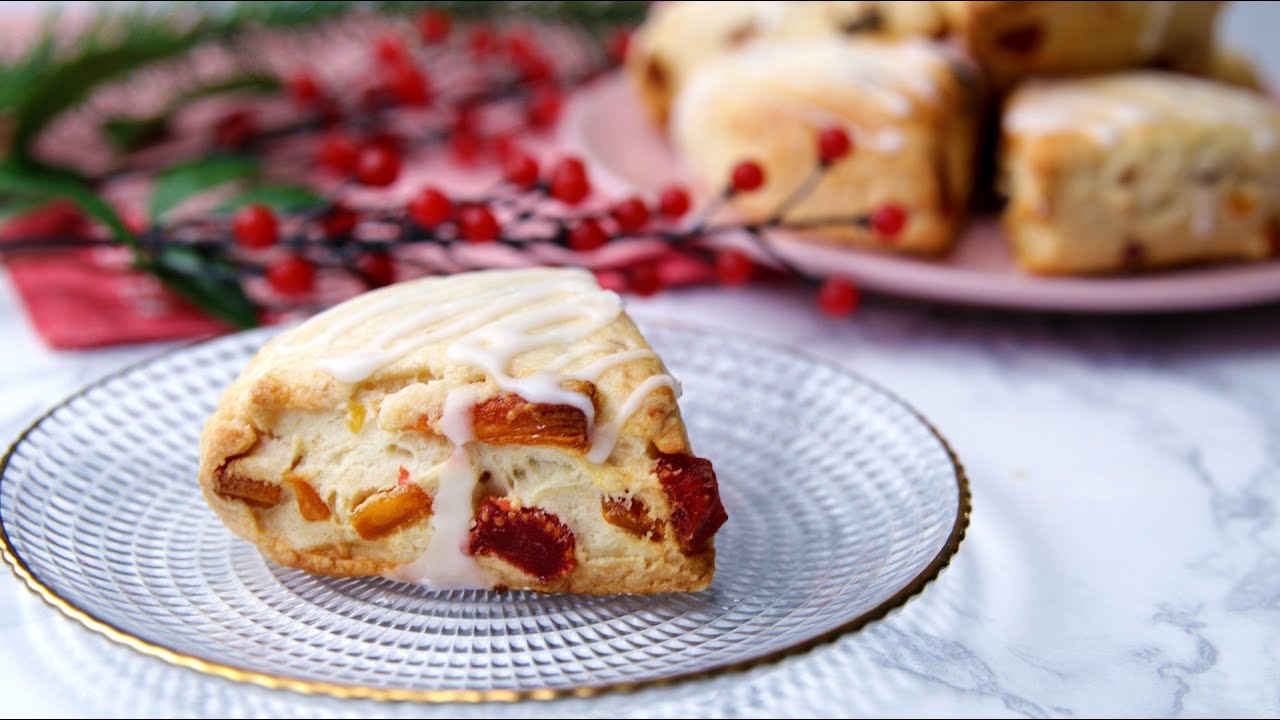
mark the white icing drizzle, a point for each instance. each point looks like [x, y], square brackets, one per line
[1159, 12]
[447, 564]
[1104, 107]
[605, 437]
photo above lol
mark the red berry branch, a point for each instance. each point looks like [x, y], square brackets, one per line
[284, 257]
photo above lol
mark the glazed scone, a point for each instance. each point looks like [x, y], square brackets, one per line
[678, 37]
[1012, 40]
[910, 107]
[486, 430]
[1140, 169]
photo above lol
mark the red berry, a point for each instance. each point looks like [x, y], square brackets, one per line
[304, 88]
[236, 129]
[630, 214]
[434, 25]
[645, 280]
[833, 144]
[734, 267]
[520, 170]
[465, 146]
[338, 220]
[337, 152]
[838, 297]
[504, 146]
[291, 275]
[520, 44]
[888, 220]
[384, 139]
[673, 202]
[482, 40]
[429, 208]
[478, 225]
[409, 86]
[377, 268]
[544, 107]
[377, 166]
[617, 44]
[568, 181]
[390, 50]
[587, 235]
[746, 176]
[534, 67]
[255, 226]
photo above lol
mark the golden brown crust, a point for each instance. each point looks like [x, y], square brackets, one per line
[1012, 40]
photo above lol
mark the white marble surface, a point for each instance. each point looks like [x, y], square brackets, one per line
[1123, 557]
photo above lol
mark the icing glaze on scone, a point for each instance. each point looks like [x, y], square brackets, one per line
[501, 428]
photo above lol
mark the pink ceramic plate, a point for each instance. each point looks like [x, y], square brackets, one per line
[607, 125]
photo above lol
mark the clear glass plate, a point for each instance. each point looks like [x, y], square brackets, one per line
[843, 503]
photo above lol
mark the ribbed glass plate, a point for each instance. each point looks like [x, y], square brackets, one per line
[842, 501]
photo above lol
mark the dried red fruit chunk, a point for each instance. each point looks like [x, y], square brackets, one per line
[509, 419]
[530, 538]
[258, 493]
[696, 511]
[632, 515]
[388, 511]
[310, 504]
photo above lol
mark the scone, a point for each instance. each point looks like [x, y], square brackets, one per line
[910, 107]
[1139, 169]
[679, 37]
[1012, 40]
[485, 430]
[1235, 68]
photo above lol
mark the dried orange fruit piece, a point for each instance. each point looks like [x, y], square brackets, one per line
[509, 419]
[632, 515]
[390, 510]
[258, 493]
[312, 507]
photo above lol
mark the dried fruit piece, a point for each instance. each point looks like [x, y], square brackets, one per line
[1022, 40]
[632, 515]
[696, 511]
[258, 493]
[355, 415]
[312, 507]
[509, 419]
[390, 510]
[530, 538]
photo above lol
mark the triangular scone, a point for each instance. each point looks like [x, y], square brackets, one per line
[493, 429]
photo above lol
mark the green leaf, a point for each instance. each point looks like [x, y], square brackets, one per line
[14, 207]
[25, 180]
[208, 283]
[184, 180]
[125, 134]
[249, 82]
[285, 198]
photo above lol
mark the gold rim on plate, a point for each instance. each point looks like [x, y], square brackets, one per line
[312, 687]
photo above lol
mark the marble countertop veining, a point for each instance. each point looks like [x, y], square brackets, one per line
[1123, 556]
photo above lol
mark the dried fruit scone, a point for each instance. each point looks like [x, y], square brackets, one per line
[1012, 40]
[679, 37]
[911, 107]
[1139, 169]
[498, 429]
